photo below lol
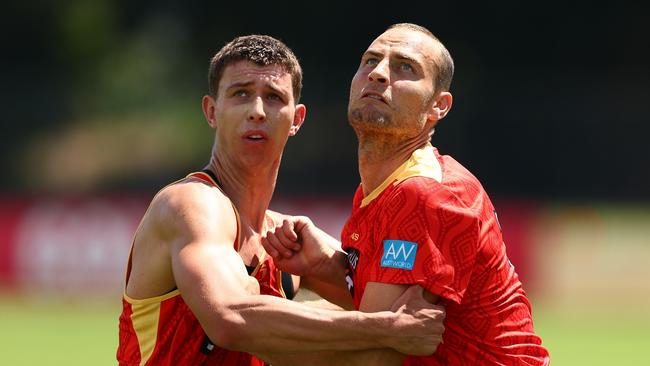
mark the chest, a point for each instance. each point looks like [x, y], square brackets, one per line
[260, 266]
[250, 250]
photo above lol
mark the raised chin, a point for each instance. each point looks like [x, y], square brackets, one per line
[368, 115]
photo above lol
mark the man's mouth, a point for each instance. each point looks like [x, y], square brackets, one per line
[255, 135]
[375, 96]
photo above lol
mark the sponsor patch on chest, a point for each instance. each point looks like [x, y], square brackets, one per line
[399, 254]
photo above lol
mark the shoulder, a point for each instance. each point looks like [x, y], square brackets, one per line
[191, 205]
[418, 188]
[422, 194]
[191, 196]
[460, 181]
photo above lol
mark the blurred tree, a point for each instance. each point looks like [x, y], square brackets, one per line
[103, 95]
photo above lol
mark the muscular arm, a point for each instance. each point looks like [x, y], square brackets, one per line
[381, 296]
[313, 257]
[257, 323]
[335, 358]
[213, 281]
[377, 297]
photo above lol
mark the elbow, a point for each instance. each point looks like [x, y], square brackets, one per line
[228, 331]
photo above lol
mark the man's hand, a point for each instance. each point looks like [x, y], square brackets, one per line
[419, 323]
[298, 246]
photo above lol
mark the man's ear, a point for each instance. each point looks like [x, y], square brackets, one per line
[298, 119]
[440, 107]
[208, 104]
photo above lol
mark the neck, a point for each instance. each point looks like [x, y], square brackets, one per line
[381, 154]
[249, 188]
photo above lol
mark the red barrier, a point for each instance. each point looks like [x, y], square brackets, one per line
[76, 245]
[11, 213]
[70, 245]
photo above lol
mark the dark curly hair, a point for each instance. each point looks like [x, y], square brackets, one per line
[261, 50]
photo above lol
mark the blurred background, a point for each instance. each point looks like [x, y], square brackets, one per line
[100, 109]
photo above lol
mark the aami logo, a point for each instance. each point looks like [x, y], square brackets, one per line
[399, 254]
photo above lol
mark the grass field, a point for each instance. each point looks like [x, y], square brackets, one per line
[57, 333]
[85, 333]
[606, 337]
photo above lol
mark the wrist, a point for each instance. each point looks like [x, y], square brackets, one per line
[384, 329]
[331, 267]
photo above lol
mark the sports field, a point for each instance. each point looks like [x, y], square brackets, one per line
[85, 333]
[616, 336]
[593, 307]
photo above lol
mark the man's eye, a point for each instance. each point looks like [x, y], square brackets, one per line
[240, 93]
[406, 67]
[372, 61]
[274, 97]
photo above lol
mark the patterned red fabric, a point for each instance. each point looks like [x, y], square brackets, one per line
[458, 254]
[180, 340]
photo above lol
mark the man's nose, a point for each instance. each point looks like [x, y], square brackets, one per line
[380, 73]
[256, 113]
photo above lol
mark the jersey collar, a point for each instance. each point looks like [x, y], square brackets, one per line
[422, 163]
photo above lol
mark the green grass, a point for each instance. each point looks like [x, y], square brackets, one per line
[616, 336]
[85, 333]
[58, 333]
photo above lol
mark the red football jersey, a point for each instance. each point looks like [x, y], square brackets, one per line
[163, 331]
[431, 223]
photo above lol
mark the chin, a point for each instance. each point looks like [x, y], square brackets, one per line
[262, 158]
[368, 117]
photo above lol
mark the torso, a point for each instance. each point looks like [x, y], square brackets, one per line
[442, 234]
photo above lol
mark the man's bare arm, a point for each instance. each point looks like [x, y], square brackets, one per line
[372, 357]
[213, 282]
[299, 245]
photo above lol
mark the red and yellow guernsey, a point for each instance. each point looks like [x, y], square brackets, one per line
[431, 223]
[163, 331]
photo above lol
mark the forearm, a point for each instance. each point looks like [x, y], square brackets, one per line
[265, 324]
[306, 297]
[337, 294]
[331, 269]
[384, 357]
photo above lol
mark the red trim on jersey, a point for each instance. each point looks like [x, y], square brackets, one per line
[204, 177]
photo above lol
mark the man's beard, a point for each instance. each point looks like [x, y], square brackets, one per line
[369, 118]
